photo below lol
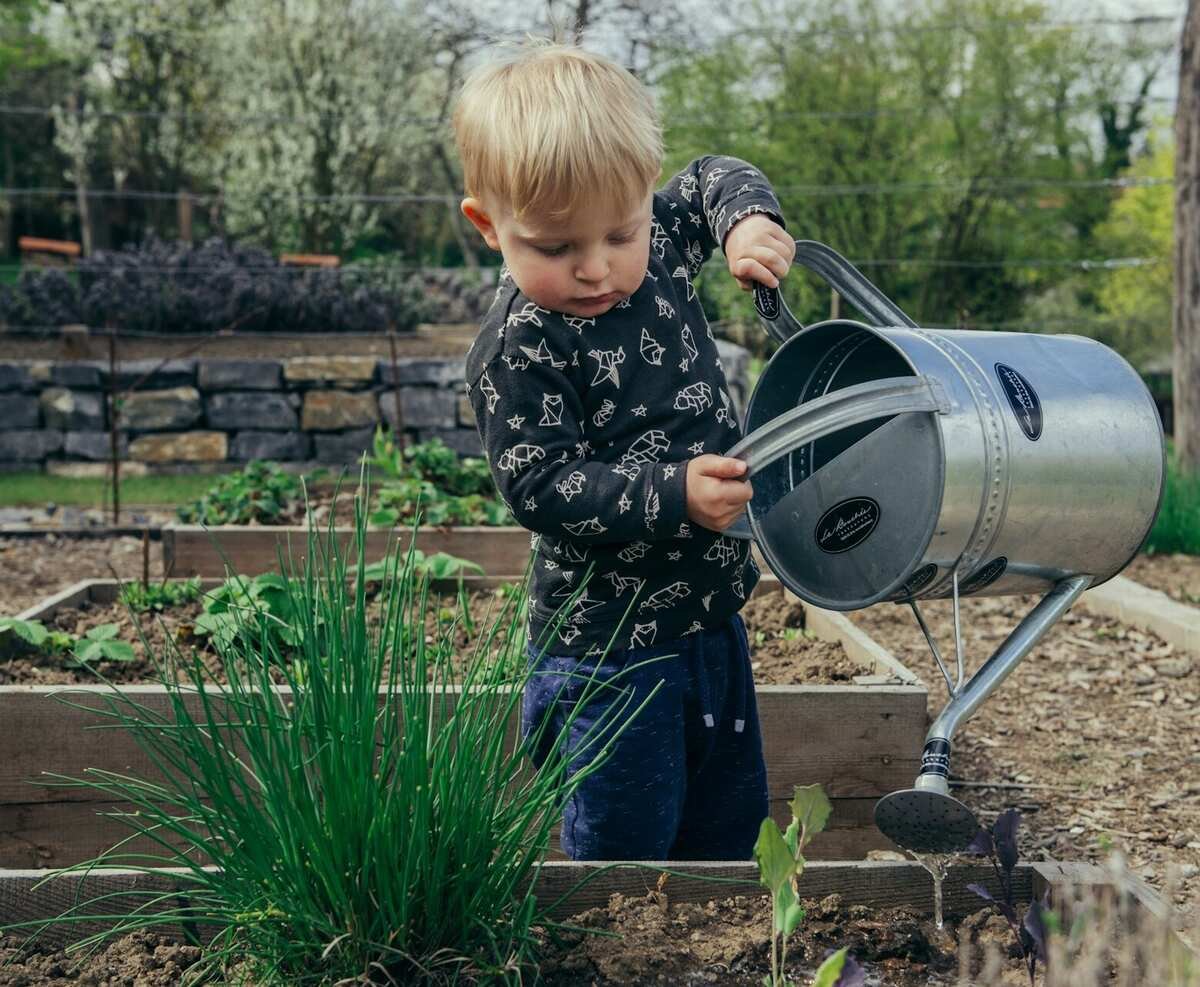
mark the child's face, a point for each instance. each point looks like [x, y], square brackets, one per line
[582, 265]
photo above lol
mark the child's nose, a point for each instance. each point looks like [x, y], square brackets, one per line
[592, 266]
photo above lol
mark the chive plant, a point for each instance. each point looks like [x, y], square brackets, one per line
[341, 816]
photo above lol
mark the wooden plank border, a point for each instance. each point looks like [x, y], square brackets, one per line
[27, 895]
[194, 550]
[1148, 609]
[859, 741]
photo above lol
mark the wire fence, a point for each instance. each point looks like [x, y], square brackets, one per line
[982, 183]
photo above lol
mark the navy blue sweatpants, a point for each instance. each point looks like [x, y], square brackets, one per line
[686, 779]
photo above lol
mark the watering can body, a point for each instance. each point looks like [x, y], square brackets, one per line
[889, 460]
[1043, 459]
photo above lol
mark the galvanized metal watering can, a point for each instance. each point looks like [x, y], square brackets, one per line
[895, 463]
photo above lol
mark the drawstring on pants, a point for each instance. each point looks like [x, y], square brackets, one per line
[740, 676]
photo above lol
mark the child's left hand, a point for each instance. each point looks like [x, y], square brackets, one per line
[759, 250]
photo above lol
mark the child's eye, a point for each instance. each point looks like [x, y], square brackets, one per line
[621, 238]
[552, 251]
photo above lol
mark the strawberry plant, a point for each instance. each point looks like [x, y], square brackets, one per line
[431, 478]
[100, 643]
[30, 631]
[262, 605]
[259, 493]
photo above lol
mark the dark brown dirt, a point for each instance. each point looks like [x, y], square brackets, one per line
[1176, 575]
[33, 568]
[1095, 736]
[783, 654]
[138, 960]
[172, 633]
[724, 942]
[727, 943]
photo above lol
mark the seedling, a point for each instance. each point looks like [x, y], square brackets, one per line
[159, 596]
[101, 643]
[1000, 845]
[780, 865]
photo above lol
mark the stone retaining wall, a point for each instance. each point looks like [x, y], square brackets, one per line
[200, 413]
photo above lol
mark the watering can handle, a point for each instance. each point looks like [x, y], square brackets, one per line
[834, 411]
[846, 279]
[831, 413]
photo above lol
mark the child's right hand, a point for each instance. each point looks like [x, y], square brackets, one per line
[716, 494]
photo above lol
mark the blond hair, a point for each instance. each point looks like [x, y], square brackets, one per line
[547, 127]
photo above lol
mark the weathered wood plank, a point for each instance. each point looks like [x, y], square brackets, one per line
[191, 550]
[38, 835]
[857, 741]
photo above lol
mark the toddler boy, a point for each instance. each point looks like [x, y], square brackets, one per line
[603, 409]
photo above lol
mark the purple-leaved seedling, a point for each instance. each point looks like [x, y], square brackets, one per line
[780, 863]
[1000, 845]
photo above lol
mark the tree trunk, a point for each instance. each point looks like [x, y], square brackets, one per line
[1187, 247]
[81, 191]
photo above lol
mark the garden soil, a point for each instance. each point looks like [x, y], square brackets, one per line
[782, 653]
[723, 943]
[1095, 737]
[32, 569]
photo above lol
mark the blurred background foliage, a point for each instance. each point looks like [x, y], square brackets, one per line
[989, 163]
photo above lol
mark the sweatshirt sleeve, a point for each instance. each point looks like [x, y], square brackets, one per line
[700, 205]
[530, 420]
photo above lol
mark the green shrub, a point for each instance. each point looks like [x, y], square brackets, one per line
[1177, 528]
[352, 840]
[259, 493]
[159, 596]
[431, 478]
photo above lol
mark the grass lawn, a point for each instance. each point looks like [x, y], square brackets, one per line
[35, 489]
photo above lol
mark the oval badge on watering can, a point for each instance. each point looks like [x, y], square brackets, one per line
[846, 525]
[1023, 399]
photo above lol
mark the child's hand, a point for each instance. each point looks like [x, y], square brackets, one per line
[759, 250]
[715, 493]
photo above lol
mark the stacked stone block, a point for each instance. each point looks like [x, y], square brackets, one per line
[305, 410]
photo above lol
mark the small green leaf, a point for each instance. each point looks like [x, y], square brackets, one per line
[792, 836]
[775, 865]
[792, 917]
[829, 971]
[117, 650]
[811, 807]
[103, 632]
[30, 631]
[90, 651]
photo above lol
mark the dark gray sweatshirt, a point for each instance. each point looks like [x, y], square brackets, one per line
[588, 425]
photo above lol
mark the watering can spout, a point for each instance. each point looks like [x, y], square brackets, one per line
[926, 818]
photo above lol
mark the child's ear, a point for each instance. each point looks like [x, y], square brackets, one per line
[473, 209]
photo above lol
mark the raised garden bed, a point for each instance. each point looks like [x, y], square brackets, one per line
[859, 740]
[192, 550]
[709, 922]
